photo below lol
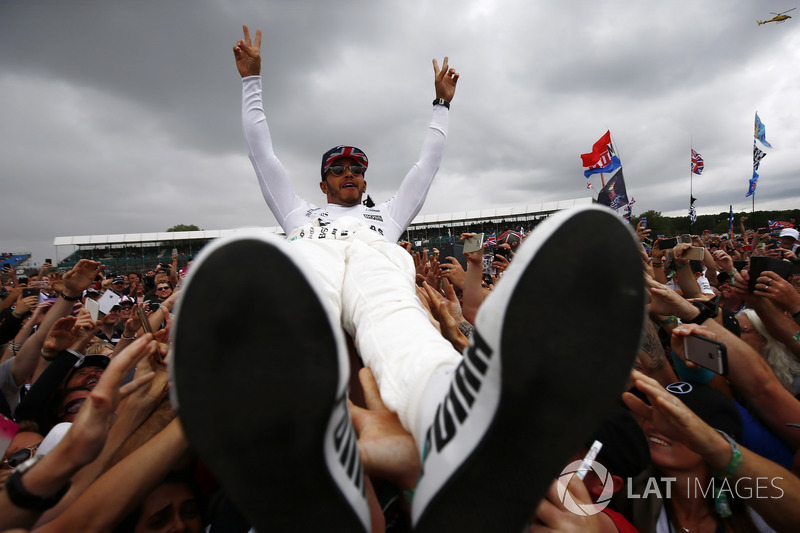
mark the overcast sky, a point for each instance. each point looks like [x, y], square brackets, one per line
[124, 116]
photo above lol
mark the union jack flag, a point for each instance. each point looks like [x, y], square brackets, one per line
[491, 240]
[343, 151]
[697, 163]
[779, 224]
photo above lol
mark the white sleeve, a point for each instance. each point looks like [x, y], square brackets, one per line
[410, 197]
[272, 177]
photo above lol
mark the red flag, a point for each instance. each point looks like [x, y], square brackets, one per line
[599, 149]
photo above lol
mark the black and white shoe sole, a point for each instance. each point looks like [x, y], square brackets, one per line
[553, 346]
[260, 372]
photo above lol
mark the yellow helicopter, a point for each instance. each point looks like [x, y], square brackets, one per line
[779, 17]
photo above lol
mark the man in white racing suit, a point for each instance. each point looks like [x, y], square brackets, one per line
[366, 275]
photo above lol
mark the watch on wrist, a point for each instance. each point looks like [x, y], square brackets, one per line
[441, 101]
[71, 298]
[705, 314]
[23, 499]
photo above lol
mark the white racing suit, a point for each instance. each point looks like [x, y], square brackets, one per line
[367, 277]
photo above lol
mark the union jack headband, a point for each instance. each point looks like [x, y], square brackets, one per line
[342, 151]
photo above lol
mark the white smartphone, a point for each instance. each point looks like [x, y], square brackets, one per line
[707, 353]
[473, 244]
[695, 253]
[94, 309]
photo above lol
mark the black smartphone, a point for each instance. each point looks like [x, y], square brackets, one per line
[643, 220]
[153, 306]
[27, 291]
[707, 353]
[666, 244]
[760, 263]
[739, 265]
[48, 261]
[499, 250]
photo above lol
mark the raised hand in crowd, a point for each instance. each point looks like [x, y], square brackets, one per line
[80, 277]
[446, 311]
[11, 298]
[453, 272]
[131, 329]
[647, 262]
[642, 232]
[73, 333]
[773, 287]
[74, 283]
[723, 261]
[778, 501]
[788, 254]
[659, 256]
[472, 289]
[26, 305]
[552, 516]
[84, 440]
[683, 272]
[427, 268]
[501, 262]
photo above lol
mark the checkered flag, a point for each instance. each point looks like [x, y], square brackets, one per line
[758, 155]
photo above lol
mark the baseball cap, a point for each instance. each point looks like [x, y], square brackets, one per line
[713, 407]
[119, 279]
[92, 360]
[790, 232]
[337, 152]
[511, 238]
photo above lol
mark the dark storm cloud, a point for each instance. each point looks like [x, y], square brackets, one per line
[124, 117]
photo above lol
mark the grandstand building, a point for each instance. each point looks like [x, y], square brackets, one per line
[130, 252]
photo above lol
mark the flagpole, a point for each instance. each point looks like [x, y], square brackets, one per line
[616, 149]
[691, 192]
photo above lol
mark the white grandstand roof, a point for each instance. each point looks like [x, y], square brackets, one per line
[519, 211]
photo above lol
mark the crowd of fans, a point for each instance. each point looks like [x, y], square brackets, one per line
[703, 437]
[90, 395]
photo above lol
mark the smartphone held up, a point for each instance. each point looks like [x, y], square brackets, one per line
[706, 352]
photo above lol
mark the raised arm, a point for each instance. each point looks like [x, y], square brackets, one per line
[50, 474]
[778, 501]
[272, 177]
[412, 192]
